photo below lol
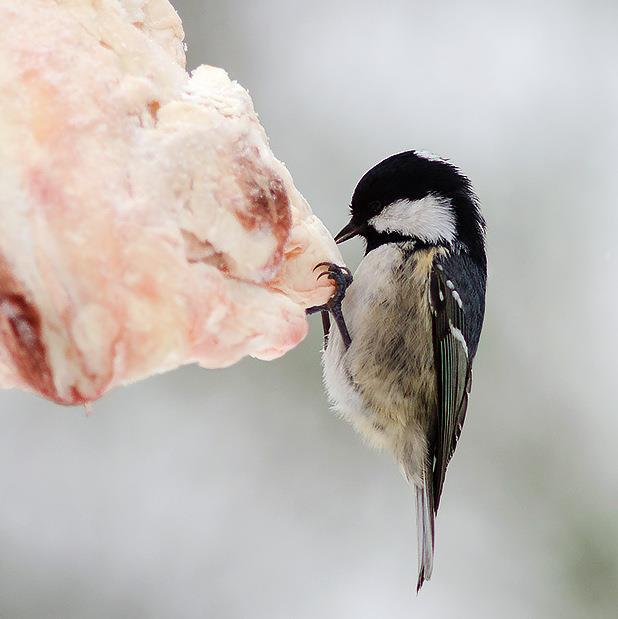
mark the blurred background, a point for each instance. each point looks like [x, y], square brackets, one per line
[236, 493]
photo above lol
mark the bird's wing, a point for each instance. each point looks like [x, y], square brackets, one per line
[457, 299]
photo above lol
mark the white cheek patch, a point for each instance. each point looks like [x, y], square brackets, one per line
[430, 219]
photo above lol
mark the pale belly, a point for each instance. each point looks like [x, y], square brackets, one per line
[385, 384]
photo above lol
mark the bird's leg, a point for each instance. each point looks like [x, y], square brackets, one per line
[325, 327]
[342, 278]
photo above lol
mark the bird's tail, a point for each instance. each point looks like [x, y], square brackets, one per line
[425, 516]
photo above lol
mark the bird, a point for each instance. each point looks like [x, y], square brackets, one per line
[399, 365]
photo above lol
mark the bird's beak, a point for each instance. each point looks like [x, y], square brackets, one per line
[349, 232]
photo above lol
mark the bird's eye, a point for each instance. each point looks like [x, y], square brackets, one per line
[374, 206]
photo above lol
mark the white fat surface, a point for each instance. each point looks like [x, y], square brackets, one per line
[13, 313]
[430, 219]
[159, 155]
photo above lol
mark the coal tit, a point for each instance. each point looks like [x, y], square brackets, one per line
[399, 365]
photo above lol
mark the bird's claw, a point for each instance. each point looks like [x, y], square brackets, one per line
[342, 277]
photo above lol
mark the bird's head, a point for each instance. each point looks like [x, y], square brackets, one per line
[416, 196]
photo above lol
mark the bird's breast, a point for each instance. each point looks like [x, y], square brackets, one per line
[386, 380]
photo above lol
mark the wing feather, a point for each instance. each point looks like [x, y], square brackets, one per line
[457, 293]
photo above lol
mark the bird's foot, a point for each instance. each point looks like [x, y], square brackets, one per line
[342, 278]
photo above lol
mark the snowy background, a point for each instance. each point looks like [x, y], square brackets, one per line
[236, 493]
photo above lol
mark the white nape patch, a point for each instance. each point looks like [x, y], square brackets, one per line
[458, 335]
[430, 219]
[425, 154]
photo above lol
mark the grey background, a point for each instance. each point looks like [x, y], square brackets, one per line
[236, 493]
